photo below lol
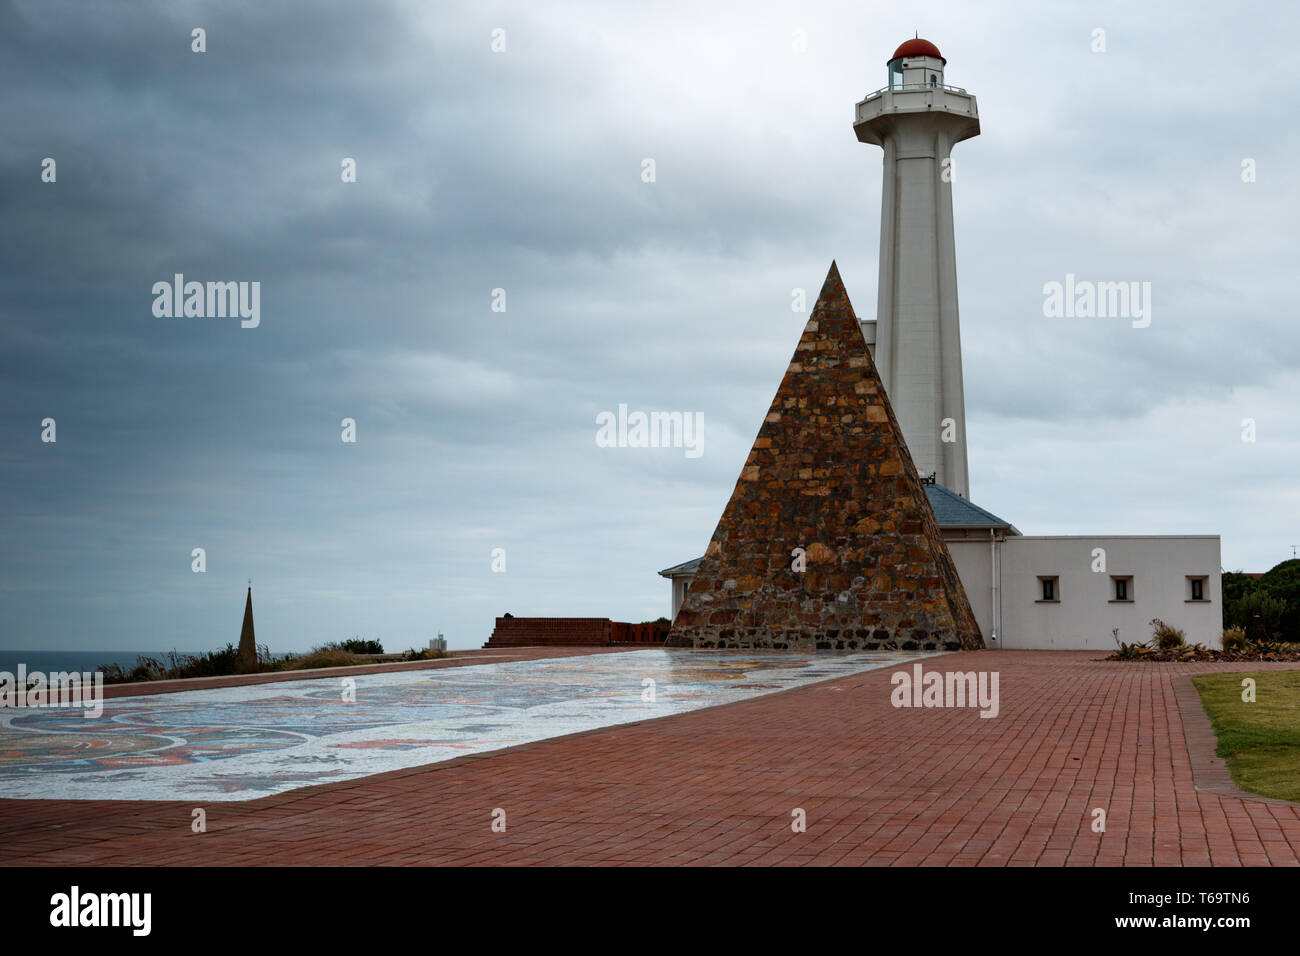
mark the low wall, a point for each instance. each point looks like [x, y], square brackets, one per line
[572, 632]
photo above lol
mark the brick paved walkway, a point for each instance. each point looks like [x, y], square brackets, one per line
[879, 785]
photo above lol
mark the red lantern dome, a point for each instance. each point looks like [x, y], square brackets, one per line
[917, 47]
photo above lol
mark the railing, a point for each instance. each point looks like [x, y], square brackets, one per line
[917, 86]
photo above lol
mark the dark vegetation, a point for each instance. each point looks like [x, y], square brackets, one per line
[176, 666]
[1273, 598]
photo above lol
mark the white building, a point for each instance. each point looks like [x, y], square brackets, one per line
[1051, 592]
[1073, 592]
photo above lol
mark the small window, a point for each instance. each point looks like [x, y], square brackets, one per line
[1049, 589]
[1122, 588]
[1197, 587]
[934, 80]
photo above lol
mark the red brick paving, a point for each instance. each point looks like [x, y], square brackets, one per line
[880, 786]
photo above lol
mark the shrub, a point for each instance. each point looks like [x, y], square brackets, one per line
[427, 654]
[1166, 636]
[359, 646]
[322, 657]
[1234, 640]
[354, 645]
[210, 664]
[1283, 584]
[1259, 603]
[1274, 597]
[113, 674]
[1130, 652]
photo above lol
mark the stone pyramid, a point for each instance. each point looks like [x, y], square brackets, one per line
[829, 474]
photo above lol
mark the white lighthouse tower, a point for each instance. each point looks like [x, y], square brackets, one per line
[917, 120]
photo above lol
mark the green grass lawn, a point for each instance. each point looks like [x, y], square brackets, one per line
[1260, 741]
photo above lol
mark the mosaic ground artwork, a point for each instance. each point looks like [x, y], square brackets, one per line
[240, 743]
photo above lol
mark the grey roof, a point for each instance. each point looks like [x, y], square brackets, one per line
[951, 510]
[692, 565]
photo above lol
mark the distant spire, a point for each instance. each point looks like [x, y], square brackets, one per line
[247, 642]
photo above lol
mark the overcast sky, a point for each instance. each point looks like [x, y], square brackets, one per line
[522, 170]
